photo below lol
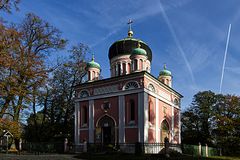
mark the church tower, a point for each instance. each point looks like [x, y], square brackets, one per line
[129, 55]
[165, 76]
[93, 70]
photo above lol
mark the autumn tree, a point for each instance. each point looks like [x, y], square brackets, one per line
[33, 39]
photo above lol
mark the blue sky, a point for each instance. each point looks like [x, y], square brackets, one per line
[188, 35]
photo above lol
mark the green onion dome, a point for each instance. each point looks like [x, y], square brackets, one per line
[139, 51]
[165, 72]
[126, 47]
[93, 64]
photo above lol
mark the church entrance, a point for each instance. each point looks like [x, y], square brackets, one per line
[106, 134]
[107, 127]
[164, 130]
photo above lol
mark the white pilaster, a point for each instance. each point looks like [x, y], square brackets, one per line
[76, 123]
[146, 123]
[121, 68]
[179, 126]
[91, 122]
[121, 111]
[172, 130]
[157, 139]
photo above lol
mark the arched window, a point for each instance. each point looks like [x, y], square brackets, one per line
[83, 94]
[151, 88]
[84, 115]
[176, 101]
[135, 65]
[131, 85]
[119, 69]
[132, 110]
[124, 68]
[167, 81]
[89, 75]
[115, 71]
[141, 65]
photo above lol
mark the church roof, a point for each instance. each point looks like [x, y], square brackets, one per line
[139, 51]
[127, 45]
[165, 72]
[93, 64]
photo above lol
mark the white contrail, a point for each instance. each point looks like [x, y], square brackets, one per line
[225, 57]
[176, 41]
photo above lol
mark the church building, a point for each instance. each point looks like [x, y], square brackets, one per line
[132, 105]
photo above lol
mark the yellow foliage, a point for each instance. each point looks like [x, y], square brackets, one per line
[11, 126]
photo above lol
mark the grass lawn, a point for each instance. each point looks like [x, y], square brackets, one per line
[122, 156]
[224, 158]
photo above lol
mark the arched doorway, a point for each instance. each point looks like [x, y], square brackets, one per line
[107, 127]
[164, 130]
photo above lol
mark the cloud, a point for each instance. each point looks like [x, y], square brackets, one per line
[114, 22]
[183, 54]
[234, 70]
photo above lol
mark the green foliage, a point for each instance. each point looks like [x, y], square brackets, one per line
[213, 119]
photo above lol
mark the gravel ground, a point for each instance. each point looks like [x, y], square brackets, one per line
[37, 157]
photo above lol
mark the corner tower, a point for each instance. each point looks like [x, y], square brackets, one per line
[165, 76]
[93, 70]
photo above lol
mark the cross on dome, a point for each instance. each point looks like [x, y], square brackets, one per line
[130, 32]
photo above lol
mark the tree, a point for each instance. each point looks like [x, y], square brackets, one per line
[57, 99]
[6, 5]
[197, 119]
[226, 118]
[24, 70]
[213, 119]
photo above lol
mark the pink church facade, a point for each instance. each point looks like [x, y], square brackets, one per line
[132, 105]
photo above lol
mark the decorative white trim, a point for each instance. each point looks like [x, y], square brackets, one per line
[157, 138]
[81, 95]
[172, 128]
[151, 87]
[105, 89]
[115, 124]
[146, 125]
[131, 82]
[119, 93]
[91, 121]
[160, 97]
[76, 124]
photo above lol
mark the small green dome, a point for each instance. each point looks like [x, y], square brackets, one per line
[139, 51]
[165, 72]
[93, 64]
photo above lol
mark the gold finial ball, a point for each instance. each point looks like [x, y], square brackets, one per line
[138, 44]
[130, 33]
